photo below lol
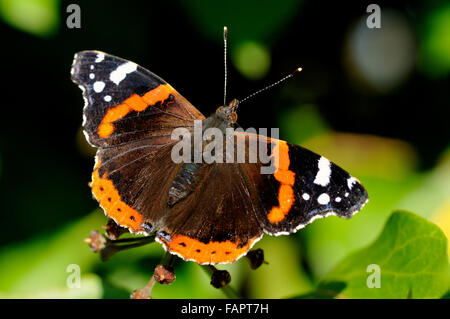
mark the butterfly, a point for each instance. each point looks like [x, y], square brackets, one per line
[209, 213]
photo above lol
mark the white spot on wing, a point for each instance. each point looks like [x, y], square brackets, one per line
[100, 57]
[305, 196]
[107, 98]
[92, 76]
[99, 86]
[121, 72]
[324, 172]
[338, 199]
[350, 181]
[323, 199]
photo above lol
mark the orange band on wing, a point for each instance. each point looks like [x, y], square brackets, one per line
[134, 103]
[286, 179]
[110, 200]
[213, 252]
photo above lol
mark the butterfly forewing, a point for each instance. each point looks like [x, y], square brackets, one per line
[305, 186]
[125, 102]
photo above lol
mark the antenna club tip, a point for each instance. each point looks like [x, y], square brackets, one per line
[299, 69]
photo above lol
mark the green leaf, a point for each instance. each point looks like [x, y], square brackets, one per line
[411, 254]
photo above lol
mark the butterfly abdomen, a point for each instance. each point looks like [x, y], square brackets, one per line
[183, 184]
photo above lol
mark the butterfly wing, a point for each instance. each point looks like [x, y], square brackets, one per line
[125, 102]
[305, 186]
[217, 222]
[235, 202]
[129, 114]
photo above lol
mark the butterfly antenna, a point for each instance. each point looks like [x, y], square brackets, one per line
[225, 35]
[270, 86]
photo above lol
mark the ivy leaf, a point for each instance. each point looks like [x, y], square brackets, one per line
[410, 257]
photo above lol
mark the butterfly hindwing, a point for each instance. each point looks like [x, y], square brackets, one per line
[217, 222]
[129, 182]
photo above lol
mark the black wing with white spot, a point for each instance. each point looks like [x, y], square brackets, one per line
[125, 102]
[307, 187]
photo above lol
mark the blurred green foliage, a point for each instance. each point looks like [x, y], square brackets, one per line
[256, 20]
[318, 262]
[435, 54]
[252, 60]
[38, 17]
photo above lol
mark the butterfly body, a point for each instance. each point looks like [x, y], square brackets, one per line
[209, 213]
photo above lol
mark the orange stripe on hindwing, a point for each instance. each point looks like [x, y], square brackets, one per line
[207, 253]
[287, 179]
[134, 103]
[109, 198]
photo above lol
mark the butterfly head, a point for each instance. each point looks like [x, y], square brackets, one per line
[228, 112]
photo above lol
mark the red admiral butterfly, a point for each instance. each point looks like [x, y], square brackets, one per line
[208, 213]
